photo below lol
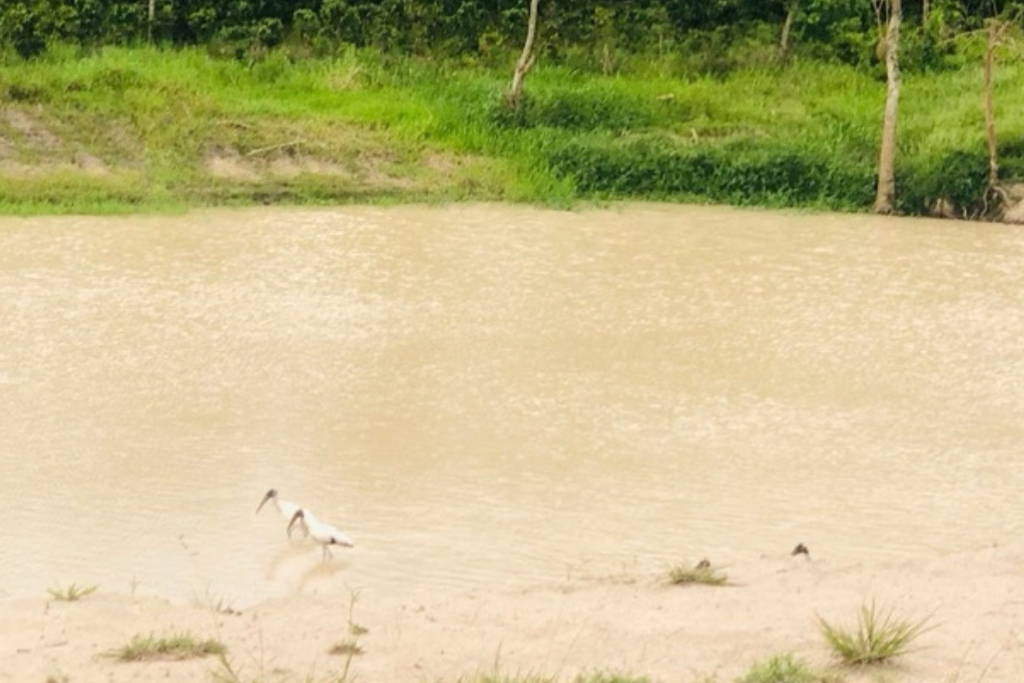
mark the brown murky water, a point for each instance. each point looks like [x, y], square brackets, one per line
[499, 395]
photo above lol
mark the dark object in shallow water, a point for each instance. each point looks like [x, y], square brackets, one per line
[801, 549]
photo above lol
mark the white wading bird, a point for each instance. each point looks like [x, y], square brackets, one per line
[322, 533]
[286, 508]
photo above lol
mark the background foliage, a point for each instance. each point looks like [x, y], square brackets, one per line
[846, 30]
[673, 99]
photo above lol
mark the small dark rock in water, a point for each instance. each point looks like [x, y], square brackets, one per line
[703, 564]
[801, 549]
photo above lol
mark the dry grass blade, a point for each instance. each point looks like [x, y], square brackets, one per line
[878, 636]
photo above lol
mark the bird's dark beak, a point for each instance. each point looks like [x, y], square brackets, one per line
[263, 502]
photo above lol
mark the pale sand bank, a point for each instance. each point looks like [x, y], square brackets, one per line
[631, 623]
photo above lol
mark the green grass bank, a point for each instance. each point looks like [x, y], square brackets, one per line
[129, 129]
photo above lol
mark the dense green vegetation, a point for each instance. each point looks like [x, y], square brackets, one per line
[844, 28]
[353, 100]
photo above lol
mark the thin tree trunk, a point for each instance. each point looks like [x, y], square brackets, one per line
[152, 16]
[787, 27]
[990, 117]
[885, 196]
[526, 59]
[925, 5]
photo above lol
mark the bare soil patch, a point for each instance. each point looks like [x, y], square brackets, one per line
[638, 624]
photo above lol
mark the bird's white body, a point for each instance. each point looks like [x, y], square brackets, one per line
[321, 532]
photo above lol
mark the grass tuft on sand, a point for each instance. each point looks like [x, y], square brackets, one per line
[176, 646]
[786, 668]
[879, 636]
[509, 678]
[346, 647]
[71, 593]
[703, 573]
[610, 677]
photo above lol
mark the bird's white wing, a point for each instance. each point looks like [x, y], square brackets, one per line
[341, 537]
[345, 539]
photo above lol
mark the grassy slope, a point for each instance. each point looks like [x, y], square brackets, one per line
[124, 129]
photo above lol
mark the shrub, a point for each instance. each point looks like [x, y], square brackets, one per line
[785, 669]
[878, 637]
[741, 173]
[958, 176]
[581, 110]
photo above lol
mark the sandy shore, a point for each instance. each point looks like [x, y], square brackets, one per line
[629, 623]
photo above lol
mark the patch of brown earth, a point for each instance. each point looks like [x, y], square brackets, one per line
[1013, 211]
[90, 164]
[46, 151]
[228, 164]
[292, 166]
[364, 169]
[35, 133]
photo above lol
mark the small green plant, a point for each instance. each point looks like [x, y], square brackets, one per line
[177, 646]
[226, 673]
[703, 572]
[71, 593]
[354, 628]
[346, 647]
[218, 604]
[785, 669]
[879, 636]
[510, 678]
[610, 677]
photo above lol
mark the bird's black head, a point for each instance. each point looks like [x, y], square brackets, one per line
[272, 493]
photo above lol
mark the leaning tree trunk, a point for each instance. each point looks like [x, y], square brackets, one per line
[990, 117]
[786, 28]
[526, 59]
[885, 196]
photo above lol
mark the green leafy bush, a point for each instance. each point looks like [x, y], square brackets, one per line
[575, 110]
[740, 173]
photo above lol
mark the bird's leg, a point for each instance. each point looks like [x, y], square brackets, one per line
[327, 553]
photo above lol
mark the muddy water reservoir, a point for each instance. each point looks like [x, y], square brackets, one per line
[499, 395]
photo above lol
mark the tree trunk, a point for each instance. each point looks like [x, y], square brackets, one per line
[885, 196]
[786, 28]
[924, 12]
[526, 59]
[990, 117]
[152, 15]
